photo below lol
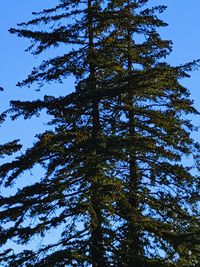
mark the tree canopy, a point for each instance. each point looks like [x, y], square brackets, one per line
[115, 187]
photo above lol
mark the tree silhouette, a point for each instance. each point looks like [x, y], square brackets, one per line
[114, 185]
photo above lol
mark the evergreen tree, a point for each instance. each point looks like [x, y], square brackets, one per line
[75, 192]
[114, 185]
[157, 207]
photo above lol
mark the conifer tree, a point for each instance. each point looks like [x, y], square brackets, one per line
[74, 193]
[157, 208]
[114, 185]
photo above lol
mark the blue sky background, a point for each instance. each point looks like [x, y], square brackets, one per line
[184, 30]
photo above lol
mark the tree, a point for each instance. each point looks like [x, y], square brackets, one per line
[70, 195]
[158, 204]
[114, 183]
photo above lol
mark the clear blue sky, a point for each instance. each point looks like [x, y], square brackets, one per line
[184, 30]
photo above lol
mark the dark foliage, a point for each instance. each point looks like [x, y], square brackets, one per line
[114, 187]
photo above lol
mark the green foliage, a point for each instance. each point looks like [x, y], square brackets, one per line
[114, 185]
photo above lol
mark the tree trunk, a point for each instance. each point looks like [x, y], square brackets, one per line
[134, 247]
[96, 242]
[133, 233]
